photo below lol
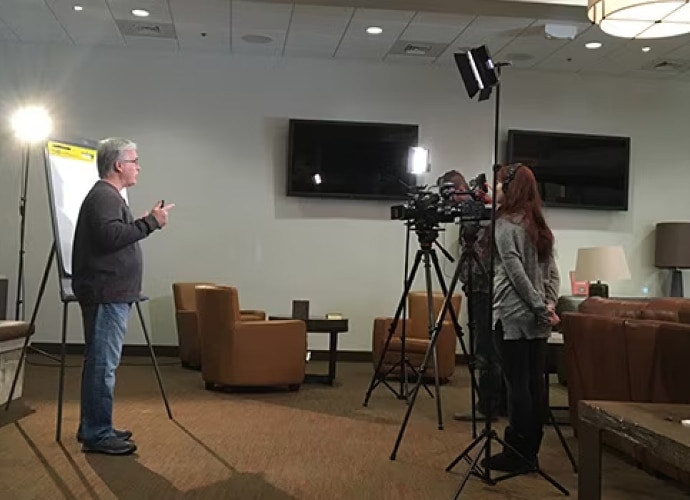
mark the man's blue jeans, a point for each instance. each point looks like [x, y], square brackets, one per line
[104, 332]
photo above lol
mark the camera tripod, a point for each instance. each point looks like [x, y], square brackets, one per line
[468, 256]
[427, 235]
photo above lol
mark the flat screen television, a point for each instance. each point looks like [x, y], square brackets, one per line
[345, 159]
[575, 170]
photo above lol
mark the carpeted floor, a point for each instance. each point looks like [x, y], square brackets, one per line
[318, 443]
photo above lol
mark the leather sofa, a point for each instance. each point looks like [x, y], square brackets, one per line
[417, 337]
[237, 352]
[185, 318]
[629, 350]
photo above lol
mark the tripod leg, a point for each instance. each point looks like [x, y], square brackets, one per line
[439, 322]
[153, 360]
[562, 440]
[22, 357]
[61, 384]
[431, 323]
[377, 376]
[469, 471]
[464, 452]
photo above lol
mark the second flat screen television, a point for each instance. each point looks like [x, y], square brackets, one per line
[344, 159]
[575, 170]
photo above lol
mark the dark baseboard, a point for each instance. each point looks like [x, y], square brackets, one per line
[171, 351]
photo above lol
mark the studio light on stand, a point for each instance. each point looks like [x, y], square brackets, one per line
[481, 75]
[31, 125]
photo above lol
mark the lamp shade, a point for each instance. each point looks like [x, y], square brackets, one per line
[672, 245]
[601, 264]
[640, 18]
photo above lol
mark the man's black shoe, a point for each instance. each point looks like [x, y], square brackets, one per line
[124, 435]
[110, 446]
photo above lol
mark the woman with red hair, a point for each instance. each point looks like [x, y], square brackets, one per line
[526, 284]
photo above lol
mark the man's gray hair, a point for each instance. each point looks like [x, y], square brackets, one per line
[109, 151]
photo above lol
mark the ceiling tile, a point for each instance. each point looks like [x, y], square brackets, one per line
[159, 10]
[201, 11]
[6, 33]
[574, 56]
[357, 43]
[32, 20]
[532, 45]
[93, 25]
[438, 28]
[202, 24]
[316, 31]
[147, 42]
[261, 19]
[419, 60]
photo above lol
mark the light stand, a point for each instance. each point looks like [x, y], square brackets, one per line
[30, 125]
[480, 74]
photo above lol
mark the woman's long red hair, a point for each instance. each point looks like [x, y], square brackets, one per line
[522, 198]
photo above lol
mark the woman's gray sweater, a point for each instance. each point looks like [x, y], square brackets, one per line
[523, 286]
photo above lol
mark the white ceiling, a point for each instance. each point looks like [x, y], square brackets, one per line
[514, 30]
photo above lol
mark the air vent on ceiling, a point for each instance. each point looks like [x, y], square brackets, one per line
[143, 28]
[418, 49]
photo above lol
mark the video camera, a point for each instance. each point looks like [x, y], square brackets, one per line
[426, 208]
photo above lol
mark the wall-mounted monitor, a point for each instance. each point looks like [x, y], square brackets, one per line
[575, 170]
[345, 159]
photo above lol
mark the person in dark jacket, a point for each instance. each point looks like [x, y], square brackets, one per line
[107, 273]
[491, 395]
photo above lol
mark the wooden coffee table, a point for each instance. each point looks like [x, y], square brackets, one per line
[656, 426]
[333, 327]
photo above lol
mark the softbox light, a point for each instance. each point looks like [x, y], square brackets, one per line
[477, 71]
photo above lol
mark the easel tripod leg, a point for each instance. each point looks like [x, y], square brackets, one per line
[22, 357]
[61, 384]
[153, 360]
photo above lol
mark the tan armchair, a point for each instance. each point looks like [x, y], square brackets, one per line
[186, 320]
[237, 352]
[417, 337]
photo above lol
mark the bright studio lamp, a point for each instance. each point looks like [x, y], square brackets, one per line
[599, 264]
[640, 18]
[31, 125]
[418, 161]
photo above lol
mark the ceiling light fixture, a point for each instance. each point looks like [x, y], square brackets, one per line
[78, 8]
[374, 30]
[593, 45]
[140, 12]
[646, 49]
[640, 18]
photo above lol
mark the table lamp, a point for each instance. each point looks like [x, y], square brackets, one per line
[599, 264]
[672, 251]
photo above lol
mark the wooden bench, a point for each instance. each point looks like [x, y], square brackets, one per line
[13, 334]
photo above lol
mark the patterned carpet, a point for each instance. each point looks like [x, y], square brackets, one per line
[318, 443]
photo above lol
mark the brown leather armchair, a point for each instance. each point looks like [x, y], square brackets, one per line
[417, 337]
[186, 320]
[237, 352]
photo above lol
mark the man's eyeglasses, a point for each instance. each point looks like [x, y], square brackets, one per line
[135, 160]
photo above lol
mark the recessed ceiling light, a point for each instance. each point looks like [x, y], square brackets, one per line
[593, 45]
[78, 8]
[646, 49]
[140, 12]
[374, 30]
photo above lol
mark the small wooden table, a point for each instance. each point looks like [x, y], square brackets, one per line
[322, 325]
[656, 426]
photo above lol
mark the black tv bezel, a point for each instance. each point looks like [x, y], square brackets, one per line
[341, 196]
[626, 139]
